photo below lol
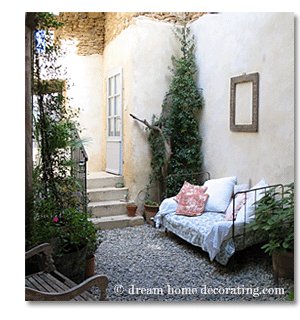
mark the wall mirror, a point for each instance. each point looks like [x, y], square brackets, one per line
[244, 93]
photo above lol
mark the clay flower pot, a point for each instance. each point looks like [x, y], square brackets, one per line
[283, 264]
[90, 266]
[131, 209]
[150, 212]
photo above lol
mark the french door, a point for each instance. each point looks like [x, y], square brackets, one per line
[114, 158]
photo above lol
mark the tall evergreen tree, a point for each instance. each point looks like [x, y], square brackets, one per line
[182, 125]
[179, 123]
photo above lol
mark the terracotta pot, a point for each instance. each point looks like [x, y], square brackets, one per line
[150, 212]
[283, 264]
[131, 210]
[90, 266]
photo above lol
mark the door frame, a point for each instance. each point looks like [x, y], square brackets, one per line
[114, 140]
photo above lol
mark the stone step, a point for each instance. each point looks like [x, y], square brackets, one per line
[120, 221]
[107, 208]
[102, 180]
[106, 194]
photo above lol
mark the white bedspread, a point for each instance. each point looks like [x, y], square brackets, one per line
[207, 231]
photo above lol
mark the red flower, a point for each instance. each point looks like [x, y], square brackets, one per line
[55, 219]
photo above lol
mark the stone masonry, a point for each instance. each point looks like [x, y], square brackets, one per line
[93, 30]
[87, 28]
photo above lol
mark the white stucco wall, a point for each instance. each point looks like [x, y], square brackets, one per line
[228, 45]
[85, 92]
[144, 52]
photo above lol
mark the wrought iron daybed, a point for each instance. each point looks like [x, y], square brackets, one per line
[210, 231]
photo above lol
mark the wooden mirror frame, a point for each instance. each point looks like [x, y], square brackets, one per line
[234, 81]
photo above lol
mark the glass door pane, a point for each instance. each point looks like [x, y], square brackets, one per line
[118, 105]
[111, 89]
[110, 107]
[110, 127]
[117, 84]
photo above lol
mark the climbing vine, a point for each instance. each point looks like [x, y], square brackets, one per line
[174, 137]
[58, 209]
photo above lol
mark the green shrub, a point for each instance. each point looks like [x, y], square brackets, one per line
[274, 216]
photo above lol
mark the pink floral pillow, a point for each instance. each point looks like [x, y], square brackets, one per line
[191, 200]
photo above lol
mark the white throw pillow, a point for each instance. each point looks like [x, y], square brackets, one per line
[220, 192]
[238, 201]
[241, 187]
[248, 208]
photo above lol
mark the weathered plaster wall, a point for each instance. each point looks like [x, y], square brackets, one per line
[229, 45]
[141, 54]
[85, 78]
[145, 59]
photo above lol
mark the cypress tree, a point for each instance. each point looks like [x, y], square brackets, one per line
[179, 122]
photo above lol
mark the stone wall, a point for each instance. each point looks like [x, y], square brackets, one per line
[115, 22]
[87, 28]
[94, 30]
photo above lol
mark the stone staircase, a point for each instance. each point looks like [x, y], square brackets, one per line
[107, 201]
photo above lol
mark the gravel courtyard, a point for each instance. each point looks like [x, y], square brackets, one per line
[145, 264]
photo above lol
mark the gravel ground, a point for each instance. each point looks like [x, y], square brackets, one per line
[145, 264]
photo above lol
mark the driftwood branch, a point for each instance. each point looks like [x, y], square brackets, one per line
[167, 143]
[145, 122]
[158, 129]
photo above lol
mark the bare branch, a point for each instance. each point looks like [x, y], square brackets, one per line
[167, 143]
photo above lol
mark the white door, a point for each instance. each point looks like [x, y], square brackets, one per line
[114, 123]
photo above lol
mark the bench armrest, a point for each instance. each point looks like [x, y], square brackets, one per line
[101, 281]
[46, 249]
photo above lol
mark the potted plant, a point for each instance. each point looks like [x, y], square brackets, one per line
[72, 237]
[131, 209]
[93, 243]
[150, 206]
[275, 218]
[151, 209]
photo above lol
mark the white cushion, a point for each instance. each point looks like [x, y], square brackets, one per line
[249, 208]
[241, 187]
[220, 192]
[238, 201]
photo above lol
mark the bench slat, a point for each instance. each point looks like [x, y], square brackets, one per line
[58, 286]
[63, 279]
[51, 285]
[33, 283]
[42, 282]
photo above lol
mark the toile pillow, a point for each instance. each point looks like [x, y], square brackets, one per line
[188, 189]
[191, 200]
[220, 192]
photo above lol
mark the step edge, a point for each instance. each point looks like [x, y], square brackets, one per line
[106, 189]
[106, 203]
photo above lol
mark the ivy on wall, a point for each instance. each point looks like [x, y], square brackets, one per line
[174, 136]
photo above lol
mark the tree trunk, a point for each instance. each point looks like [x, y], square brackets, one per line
[28, 126]
[168, 151]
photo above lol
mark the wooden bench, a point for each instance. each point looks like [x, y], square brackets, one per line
[51, 285]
